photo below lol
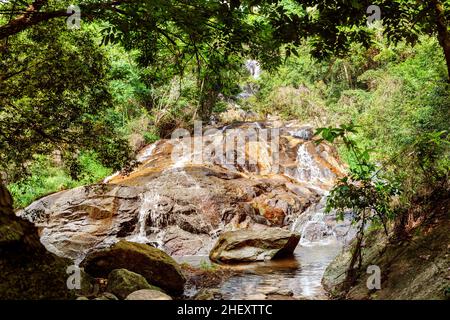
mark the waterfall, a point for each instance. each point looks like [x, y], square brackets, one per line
[147, 152]
[308, 168]
[254, 68]
[318, 228]
[317, 232]
[248, 90]
[313, 228]
[148, 209]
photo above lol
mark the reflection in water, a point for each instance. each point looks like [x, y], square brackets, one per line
[301, 274]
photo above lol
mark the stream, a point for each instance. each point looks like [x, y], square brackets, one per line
[300, 274]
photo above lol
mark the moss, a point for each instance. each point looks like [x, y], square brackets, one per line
[154, 265]
[10, 232]
[28, 271]
[122, 282]
[148, 251]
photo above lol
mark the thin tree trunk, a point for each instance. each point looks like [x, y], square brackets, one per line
[443, 32]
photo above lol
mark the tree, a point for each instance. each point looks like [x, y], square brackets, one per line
[364, 191]
[331, 25]
[53, 94]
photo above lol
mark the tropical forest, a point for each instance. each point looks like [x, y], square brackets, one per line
[224, 150]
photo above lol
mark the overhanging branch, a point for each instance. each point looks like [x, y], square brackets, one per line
[33, 16]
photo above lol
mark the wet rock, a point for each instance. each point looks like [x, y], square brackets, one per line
[122, 282]
[281, 292]
[147, 294]
[154, 265]
[250, 245]
[276, 296]
[305, 133]
[208, 294]
[257, 296]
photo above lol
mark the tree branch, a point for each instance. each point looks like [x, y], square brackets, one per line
[33, 16]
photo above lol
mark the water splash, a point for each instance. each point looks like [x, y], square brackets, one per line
[317, 232]
[318, 228]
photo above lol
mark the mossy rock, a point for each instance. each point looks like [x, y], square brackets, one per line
[28, 270]
[122, 282]
[208, 294]
[157, 267]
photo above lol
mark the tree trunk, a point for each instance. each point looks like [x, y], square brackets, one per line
[6, 201]
[443, 32]
[207, 104]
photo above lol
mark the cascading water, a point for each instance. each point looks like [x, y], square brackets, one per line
[317, 232]
[307, 167]
[149, 202]
[147, 152]
[254, 68]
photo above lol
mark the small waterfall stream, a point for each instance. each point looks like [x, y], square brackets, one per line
[300, 274]
[308, 168]
[319, 243]
[148, 210]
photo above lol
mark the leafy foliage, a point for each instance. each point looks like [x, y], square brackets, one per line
[53, 95]
[363, 191]
[46, 177]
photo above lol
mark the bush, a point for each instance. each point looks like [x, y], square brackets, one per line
[45, 177]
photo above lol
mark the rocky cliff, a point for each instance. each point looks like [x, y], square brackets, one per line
[244, 176]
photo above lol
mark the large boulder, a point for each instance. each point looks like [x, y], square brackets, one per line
[122, 282]
[157, 267]
[254, 245]
[147, 294]
[27, 270]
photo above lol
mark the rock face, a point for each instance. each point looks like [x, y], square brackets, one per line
[254, 245]
[414, 269]
[181, 203]
[27, 270]
[122, 282]
[154, 265]
[146, 294]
